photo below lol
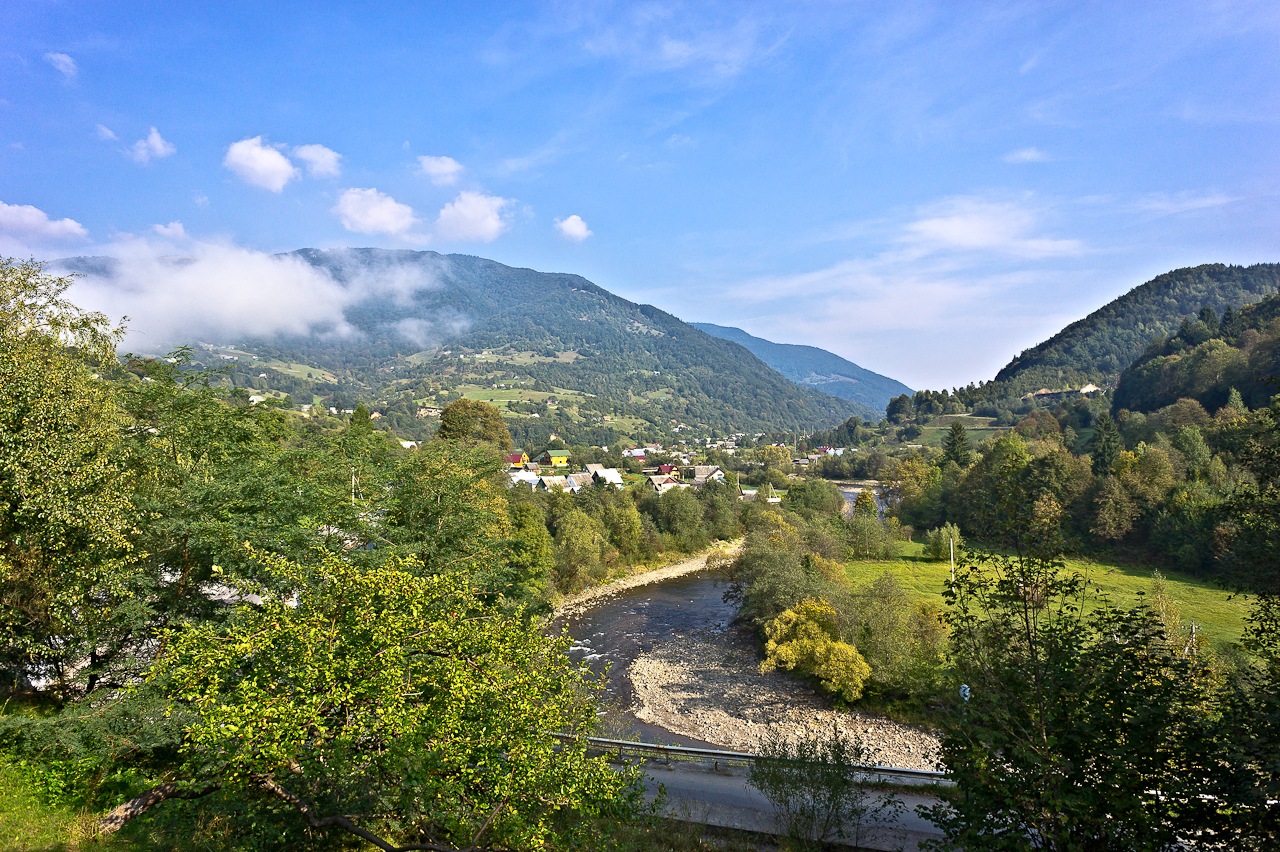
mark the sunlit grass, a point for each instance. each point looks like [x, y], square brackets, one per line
[28, 824]
[1220, 614]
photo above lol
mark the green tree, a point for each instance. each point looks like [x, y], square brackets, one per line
[1106, 444]
[68, 582]
[806, 640]
[447, 507]
[774, 458]
[533, 559]
[815, 497]
[581, 546]
[942, 543]
[869, 538]
[1078, 730]
[390, 706]
[1114, 511]
[469, 420]
[865, 505]
[955, 445]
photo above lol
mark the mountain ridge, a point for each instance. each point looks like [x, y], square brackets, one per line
[557, 352]
[817, 368]
[1100, 345]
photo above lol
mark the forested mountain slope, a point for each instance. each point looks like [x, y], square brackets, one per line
[1207, 359]
[817, 368]
[556, 352]
[1100, 346]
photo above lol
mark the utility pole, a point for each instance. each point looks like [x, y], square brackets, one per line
[951, 543]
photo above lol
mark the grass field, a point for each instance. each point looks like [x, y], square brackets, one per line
[28, 824]
[502, 397]
[301, 371]
[1216, 611]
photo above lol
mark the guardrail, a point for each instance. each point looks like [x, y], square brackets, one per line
[720, 759]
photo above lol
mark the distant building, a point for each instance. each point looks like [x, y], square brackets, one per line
[608, 476]
[518, 459]
[526, 478]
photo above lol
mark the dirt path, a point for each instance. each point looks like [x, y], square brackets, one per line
[576, 603]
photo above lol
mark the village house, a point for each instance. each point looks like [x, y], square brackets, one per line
[555, 458]
[605, 475]
[701, 474]
[519, 458]
[527, 478]
[662, 483]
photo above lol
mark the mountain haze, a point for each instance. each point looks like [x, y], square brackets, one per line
[817, 368]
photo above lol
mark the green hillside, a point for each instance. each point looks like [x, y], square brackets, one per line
[818, 368]
[1208, 358]
[1100, 346]
[559, 354]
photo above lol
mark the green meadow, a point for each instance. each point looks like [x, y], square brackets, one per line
[1219, 613]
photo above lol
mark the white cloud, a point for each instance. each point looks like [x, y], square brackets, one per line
[1026, 155]
[472, 216]
[970, 223]
[1169, 203]
[153, 147]
[368, 211]
[653, 39]
[443, 171]
[106, 134]
[65, 65]
[171, 231]
[25, 222]
[210, 290]
[321, 161]
[573, 228]
[213, 290]
[259, 164]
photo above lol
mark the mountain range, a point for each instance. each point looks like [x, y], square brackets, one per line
[816, 368]
[559, 354]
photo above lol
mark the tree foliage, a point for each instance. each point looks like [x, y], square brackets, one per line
[1078, 730]
[384, 703]
[805, 640]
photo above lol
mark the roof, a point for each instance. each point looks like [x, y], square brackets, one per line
[609, 476]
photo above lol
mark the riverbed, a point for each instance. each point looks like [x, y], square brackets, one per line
[677, 670]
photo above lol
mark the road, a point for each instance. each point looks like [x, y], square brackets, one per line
[697, 792]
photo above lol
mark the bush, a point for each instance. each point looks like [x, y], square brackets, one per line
[938, 543]
[805, 639]
[813, 785]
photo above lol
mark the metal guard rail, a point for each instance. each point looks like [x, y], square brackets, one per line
[891, 774]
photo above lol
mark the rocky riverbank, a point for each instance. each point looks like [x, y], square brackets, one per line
[709, 686]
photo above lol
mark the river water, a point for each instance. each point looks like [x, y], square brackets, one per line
[614, 632]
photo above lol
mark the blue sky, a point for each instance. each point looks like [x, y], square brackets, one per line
[924, 188]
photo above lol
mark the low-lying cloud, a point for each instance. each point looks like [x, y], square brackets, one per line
[173, 289]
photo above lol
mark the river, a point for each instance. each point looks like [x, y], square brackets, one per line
[610, 635]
